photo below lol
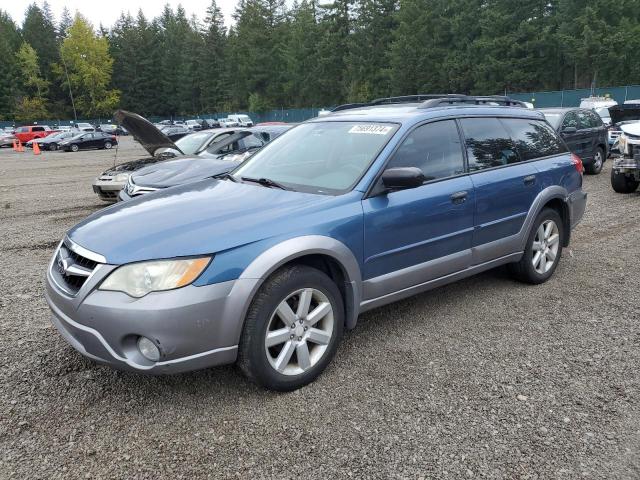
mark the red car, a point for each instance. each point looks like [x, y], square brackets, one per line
[29, 132]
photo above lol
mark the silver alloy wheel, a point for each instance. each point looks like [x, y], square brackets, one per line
[598, 160]
[299, 331]
[74, 148]
[545, 246]
[107, 145]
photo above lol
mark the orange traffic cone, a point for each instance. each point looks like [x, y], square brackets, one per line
[20, 147]
[15, 146]
[36, 148]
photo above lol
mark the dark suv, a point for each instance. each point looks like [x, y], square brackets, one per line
[583, 132]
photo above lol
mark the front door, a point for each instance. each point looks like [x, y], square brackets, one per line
[415, 235]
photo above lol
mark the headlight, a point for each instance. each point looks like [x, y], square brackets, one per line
[121, 177]
[138, 279]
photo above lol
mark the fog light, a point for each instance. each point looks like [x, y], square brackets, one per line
[148, 349]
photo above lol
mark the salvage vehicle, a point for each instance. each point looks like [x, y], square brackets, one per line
[584, 133]
[268, 265]
[620, 115]
[29, 132]
[51, 142]
[175, 132]
[88, 141]
[625, 173]
[220, 157]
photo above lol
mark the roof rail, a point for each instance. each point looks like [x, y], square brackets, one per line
[472, 100]
[429, 100]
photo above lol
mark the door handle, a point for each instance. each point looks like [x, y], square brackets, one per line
[459, 197]
[529, 179]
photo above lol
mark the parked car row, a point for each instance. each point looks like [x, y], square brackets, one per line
[198, 155]
[268, 262]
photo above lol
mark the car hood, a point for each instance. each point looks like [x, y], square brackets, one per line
[202, 218]
[144, 131]
[631, 128]
[624, 113]
[180, 171]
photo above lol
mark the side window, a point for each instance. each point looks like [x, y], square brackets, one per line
[251, 141]
[37, 129]
[596, 121]
[584, 119]
[433, 148]
[488, 143]
[533, 138]
[570, 120]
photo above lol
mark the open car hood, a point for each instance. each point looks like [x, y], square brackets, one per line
[624, 113]
[144, 131]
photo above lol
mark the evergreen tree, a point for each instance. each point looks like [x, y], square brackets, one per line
[10, 40]
[214, 77]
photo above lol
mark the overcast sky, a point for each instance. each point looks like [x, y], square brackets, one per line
[107, 11]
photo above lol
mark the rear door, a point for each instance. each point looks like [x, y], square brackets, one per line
[415, 235]
[573, 139]
[504, 183]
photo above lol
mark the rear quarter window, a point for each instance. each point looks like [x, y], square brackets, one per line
[534, 138]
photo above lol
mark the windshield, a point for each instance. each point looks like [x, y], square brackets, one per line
[553, 119]
[192, 143]
[320, 157]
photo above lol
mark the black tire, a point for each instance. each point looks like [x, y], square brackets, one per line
[595, 167]
[524, 270]
[621, 183]
[53, 147]
[252, 354]
[74, 148]
[107, 145]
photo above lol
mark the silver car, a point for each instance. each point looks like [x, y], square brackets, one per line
[160, 147]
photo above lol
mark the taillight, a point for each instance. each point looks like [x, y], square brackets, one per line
[577, 162]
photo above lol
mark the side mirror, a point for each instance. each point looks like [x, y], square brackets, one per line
[569, 130]
[402, 178]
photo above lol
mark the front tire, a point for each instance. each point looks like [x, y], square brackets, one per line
[292, 329]
[53, 147]
[74, 148]
[621, 183]
[543, 250]
[598, 162]
[107, 145]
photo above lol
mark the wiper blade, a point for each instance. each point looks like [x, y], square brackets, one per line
[225, 175]
[267, 182]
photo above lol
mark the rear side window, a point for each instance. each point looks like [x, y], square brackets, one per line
[533, 138]
[434, 148]
[488, 143]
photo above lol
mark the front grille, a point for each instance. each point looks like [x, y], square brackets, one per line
[71, 270]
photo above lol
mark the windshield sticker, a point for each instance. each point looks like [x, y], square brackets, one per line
[371, 129]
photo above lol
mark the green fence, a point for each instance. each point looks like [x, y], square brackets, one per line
[571, 98]
[559, 98]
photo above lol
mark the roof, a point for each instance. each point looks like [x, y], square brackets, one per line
[558, 110]
[412, 112]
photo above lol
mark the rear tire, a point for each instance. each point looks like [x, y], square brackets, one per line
[53, 147]
[284, 346]
[598, 162]
[107, 145]
[621, 183]
[543, 249]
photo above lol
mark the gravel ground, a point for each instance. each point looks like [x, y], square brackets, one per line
[484, 378]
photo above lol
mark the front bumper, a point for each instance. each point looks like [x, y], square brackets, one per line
[107, 188]
[193, 327]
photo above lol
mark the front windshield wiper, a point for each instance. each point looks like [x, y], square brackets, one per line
[225, 175]
[267, 182]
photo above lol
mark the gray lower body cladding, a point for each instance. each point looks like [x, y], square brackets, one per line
[193, 327]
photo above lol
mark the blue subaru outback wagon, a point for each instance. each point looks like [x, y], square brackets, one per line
[267, 265]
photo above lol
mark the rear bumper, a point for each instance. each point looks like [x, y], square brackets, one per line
[577, 202]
